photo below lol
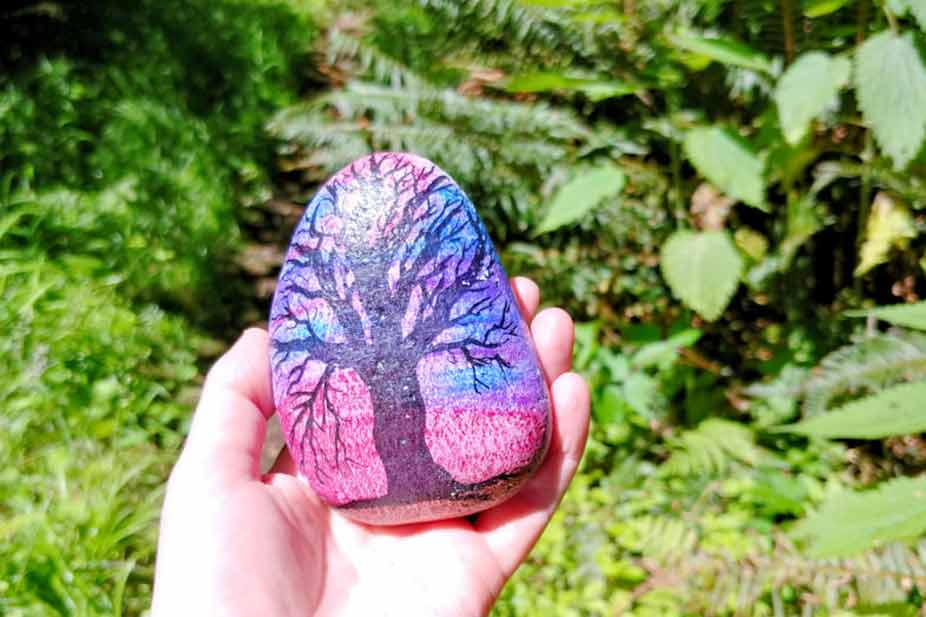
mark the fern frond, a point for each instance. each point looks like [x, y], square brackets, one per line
[710, 449]
[662, 538]
[870, 364]
[369, 60]
[882, 576]
[713, 582]
[506, 149]
[529, 27]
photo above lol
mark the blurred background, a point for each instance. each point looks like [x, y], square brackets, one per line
[728, 195]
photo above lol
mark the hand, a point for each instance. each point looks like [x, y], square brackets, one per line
[234, 542]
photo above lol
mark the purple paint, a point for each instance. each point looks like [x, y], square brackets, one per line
[407, 385]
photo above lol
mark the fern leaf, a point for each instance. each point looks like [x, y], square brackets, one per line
[870, 364]
[508, 150]
[710, 448]
[369, 60]
[715, 583]
[529, 28]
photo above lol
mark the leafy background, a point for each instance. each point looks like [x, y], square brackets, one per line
[727, 194]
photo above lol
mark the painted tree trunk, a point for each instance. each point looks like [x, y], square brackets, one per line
[399, 435]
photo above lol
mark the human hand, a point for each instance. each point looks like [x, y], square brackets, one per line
[236, 542]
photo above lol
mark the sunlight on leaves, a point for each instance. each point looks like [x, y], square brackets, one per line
[889, 225]
[806, 89]
[851, 522]
[890, 79]
[728, 163]
[581, 194]
[702, 269]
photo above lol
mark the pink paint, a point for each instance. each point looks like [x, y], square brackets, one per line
[475, 445]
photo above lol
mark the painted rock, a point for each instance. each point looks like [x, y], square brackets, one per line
[406, 383]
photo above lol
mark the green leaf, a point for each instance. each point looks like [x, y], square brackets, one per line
[642, 393]
[549, 81]
[896, 411]
[610, 408]
[889, 225]
[806, 89]
[727, 163]
[851, 522]
[702, 269]
[753, 244]
[819, 8]
[578, 196]
[723, 50]
[906, 315]
[663, 354]
[890, 79]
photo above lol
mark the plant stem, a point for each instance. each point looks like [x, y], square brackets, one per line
[891, 18]
[864, 201]
[787, 18]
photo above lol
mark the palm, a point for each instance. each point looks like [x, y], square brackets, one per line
[235, 542]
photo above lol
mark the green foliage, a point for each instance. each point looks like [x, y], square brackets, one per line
[849, 523]
[702, 269]
[806, 89]
[916, 7]
[727, 163]
[907, 315]
[895, 411]
[723, 50]
[581, 194]
[122, 183]
[711, 447]
[891, 81]
[463, 136]
[868, 365]
[689, 490]
[889, 225]
[91, 385]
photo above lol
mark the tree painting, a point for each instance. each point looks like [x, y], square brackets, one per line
[402, 368]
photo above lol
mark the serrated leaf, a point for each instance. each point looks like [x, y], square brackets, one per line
[906, 315]
[702, 269]
[578, 196]
[851, 522]
[727, 163]
[723, 50]
[806, 89]
[900, 410]
[890, 79]
[889, 225]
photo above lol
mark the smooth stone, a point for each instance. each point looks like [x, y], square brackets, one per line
[406, 382]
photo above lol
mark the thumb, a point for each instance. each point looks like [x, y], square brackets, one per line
[227, 433]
